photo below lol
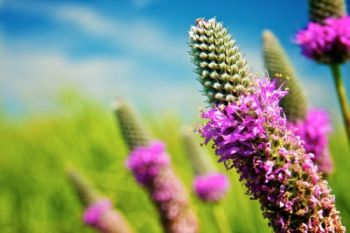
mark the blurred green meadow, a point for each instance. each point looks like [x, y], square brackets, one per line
[36, 196]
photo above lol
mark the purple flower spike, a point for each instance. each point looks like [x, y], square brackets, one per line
[252, 136]
[326, 43]
[101, 216]
[94, 213]
[314, 131]
[211, 187]
[146, 162]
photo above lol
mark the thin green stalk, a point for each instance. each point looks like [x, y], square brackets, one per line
[220, 218]
[339, 85]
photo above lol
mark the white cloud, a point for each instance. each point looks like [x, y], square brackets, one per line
[141, 36]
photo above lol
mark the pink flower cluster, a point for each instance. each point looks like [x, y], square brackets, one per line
[146, 162]
[211, 187]
[327, 43]
[252, 136]
[314, 131]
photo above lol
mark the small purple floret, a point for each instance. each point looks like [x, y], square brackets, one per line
[146, 162]
[328, 42]
[211, 187]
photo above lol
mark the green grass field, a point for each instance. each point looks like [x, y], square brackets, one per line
[36, 197]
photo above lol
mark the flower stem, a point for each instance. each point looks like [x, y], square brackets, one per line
[221, 220]
[339, 85]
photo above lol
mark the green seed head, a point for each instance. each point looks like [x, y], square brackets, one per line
[132, 131]
[281, 69]
[200, 161]
[221, 68]
[319, 10]
[87, 194]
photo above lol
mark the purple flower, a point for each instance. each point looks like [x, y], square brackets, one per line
[151, 168]
[314, 131]
[101, 216]
[94, 212]
[211, 187]
[252, 135]
[326, 43]
[146, 162]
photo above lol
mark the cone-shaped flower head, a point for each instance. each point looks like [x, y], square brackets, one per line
[319, 10]
[150, 165]
[280, 69]
[220, 65]
[252, 136]
[314, 131]
[209, 185]
[327, 43]
[86, 192]
[99, 213]
[132, 130]
[101, 216]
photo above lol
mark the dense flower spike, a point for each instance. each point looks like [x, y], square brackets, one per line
[146, 162]
[221, 67]
[87, 194]
[281, 69]
[211, 187]
[314, 131]
[319, 10]
[101, 216]
[150, 165]
[99, 213]
[327, 43]
[251, 136]
[133, 132]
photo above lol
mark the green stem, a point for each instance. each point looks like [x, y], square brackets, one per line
[221, 220]
[339, 85]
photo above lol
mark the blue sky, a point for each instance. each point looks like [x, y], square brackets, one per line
[136, 49]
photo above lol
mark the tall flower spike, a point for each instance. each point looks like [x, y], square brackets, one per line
[220, 65]
[150, 165]
[280, 69]
[132, 130]
[252, 136]
[319, 10]
[99, 213]
[87, 194]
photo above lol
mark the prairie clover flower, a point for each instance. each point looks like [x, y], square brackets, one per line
[99, 213]
[314, 126]
[209, 185]
[101, 216]
[280, 68]
[314, 131]
[327, 43]
[252, 135]
[150, 165]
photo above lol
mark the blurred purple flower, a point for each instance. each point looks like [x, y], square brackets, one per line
[94, 212]
[146, 162]
[314, 131]
[211, 187]
[326, 43]
[252, 136]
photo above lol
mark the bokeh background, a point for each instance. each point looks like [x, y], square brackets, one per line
[63, 62]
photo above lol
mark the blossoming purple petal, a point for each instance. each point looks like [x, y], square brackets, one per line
[211, 187]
